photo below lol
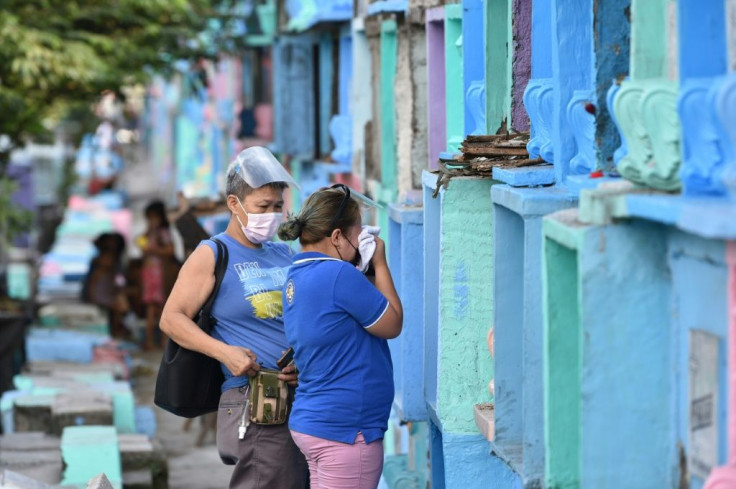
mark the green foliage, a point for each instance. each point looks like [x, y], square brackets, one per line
[56, 54]
[13, 218]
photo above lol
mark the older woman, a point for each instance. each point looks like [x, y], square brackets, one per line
[248, 309]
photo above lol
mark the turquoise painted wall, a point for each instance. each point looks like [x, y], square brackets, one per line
[455, 96]
[465, 300]
[388, 185]
[498, 64]
[562, 364]
[648, 38]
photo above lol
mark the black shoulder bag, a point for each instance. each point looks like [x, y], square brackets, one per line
[189, 383]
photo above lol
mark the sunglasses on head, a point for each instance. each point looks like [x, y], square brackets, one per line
[343, 204]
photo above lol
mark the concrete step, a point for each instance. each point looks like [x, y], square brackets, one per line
[88, 451]
[35, 455]
[14, 480]
[143, 462]
[81, 409]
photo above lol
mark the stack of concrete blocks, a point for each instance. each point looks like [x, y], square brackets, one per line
[49, 404]
[84, 318]
[65, 394]
[82, 451]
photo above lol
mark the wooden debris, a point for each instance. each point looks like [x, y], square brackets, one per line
[480, 154]
[491, 150]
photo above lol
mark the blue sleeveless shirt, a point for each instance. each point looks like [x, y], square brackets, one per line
[248, 307]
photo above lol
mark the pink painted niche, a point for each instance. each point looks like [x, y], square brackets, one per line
[436, 84]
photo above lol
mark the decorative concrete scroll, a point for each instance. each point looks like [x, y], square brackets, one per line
[582, 119]
[538, 100]
[725, 106]
[703, 158]
[475, 103]
[622, 150]
[341, 131]
[647, 115]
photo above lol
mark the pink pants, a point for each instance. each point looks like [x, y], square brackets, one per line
[335, 465]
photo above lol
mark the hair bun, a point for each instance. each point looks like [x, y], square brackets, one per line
[291, 229]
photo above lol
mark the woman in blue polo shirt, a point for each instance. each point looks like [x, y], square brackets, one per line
[338, 322]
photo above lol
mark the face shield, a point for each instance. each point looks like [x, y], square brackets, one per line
[258, 167]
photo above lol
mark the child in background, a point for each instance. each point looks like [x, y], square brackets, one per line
[105, 282]
[158, 251]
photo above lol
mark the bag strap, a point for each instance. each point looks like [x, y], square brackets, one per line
[221, 261]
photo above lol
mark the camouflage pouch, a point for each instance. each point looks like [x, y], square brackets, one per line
[268, 398]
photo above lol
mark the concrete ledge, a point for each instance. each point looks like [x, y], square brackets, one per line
[532, 176]
[564, 227]
[577, 183]
[712, 218]
[387, 6]
[434, 417]
[436, 14]
[429, 179]
[511, 453]
[404, 214]
[485, 420]
[532, 201]
[659, 208]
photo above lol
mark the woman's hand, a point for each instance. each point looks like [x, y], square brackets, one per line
[290, 375]
[240, 361]
[379, 256]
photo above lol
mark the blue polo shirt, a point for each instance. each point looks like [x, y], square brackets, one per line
[248, 307]
[345, 373]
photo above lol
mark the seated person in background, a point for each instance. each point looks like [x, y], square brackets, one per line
[104, 284]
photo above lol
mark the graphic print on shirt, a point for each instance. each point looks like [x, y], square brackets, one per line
[262, 288]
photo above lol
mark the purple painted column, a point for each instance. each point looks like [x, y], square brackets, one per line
[725, 477]
[522, 61]
[436, 83]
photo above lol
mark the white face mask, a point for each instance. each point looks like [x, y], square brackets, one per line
[261, 227]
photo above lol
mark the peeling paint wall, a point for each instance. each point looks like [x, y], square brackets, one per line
[404, 103]
[521, 22]
[411, 107]
[361, 94]
[419, 149]
[612, 37]
[373, 129]
[423, 4]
